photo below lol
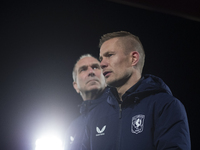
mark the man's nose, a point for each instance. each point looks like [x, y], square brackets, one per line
[103, 64]
[91, 72]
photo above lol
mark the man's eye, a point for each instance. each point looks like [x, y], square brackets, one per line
[109, 55]
[95, 67]
[82, 69]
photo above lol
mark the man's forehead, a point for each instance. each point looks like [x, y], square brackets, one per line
[87, 61]
[110, 42]
[109, 46]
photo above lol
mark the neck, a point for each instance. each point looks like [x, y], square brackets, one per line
[128, 84]
[91, 95]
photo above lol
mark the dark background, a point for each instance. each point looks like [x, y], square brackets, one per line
[41, 41]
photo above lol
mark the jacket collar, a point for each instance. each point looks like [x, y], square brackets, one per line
[147, 85]
[88, 105]
[132, 89]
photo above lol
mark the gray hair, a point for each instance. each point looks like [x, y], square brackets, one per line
[74, 73]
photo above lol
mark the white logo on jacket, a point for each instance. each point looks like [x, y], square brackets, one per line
[100, 132]
[137, 124]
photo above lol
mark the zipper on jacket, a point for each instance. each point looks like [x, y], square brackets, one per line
[118, 143]
[116, 96]
[120, 110]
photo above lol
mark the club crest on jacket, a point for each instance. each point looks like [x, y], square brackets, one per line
[137, 124]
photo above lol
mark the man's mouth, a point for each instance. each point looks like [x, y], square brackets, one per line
[106, 73]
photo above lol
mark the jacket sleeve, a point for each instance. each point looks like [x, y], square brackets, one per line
[67, 141]
[171, 126]
[74, 136]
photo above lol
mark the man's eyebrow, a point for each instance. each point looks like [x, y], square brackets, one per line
[105, 54]
[100, 57]
[108, 52]
[95, 64]
[81, 67]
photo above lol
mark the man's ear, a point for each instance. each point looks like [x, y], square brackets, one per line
[135, 57]
[76, 87]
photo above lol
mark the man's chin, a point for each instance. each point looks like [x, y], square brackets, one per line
[115, 82]
[94, 88]
[109, 82]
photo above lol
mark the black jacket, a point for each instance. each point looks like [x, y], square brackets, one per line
[149, 118]
[76, 129]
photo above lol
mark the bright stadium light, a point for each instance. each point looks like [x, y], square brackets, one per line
[49, 143]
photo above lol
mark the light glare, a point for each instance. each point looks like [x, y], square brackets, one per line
[49, 143]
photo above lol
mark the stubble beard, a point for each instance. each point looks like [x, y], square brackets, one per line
[117, 82]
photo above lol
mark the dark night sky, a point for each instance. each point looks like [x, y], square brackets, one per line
[40, 42]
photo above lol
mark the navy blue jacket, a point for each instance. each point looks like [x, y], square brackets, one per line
[76, 129]
[149, 118]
